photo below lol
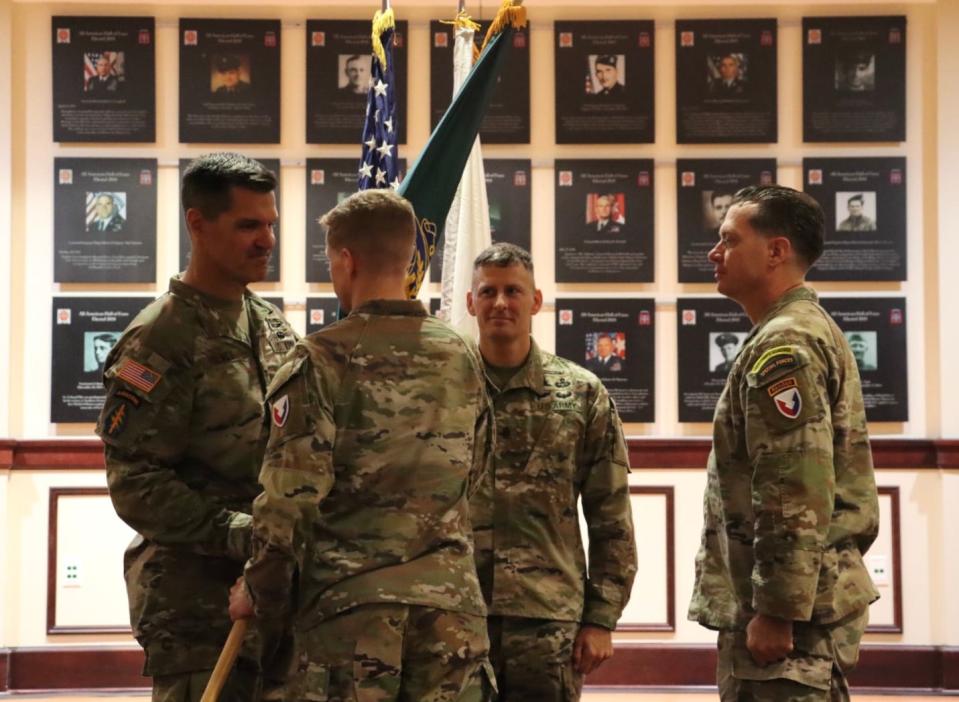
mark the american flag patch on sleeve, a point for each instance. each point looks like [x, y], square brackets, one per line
[139, 375]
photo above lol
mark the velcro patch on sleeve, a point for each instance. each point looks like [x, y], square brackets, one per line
[139, 375]
[775, 363]
[115, 420]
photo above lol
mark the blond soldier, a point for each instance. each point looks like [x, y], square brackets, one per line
[362, 534]
[790, 504]
[560, 443]
[184, 429]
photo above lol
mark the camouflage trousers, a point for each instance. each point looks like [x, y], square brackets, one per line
[387, 652]
[533, 659]
[814, 672]
[243, 685]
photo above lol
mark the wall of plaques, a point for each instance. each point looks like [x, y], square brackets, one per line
[612, 149]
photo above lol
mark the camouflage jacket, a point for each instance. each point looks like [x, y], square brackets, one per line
[559, 439]
[790, 503]
[185, 429]
[381, 427]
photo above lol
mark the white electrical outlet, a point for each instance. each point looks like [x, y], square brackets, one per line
[71, 573]
[879, 569]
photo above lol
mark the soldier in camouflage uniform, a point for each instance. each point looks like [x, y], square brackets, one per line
[381, 429]
[185, 430]
[559, 441]
[790, 503]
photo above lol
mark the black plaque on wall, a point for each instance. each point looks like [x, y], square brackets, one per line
[726, 81]
[854, 78]
[864, 202]
[705, 189]
[604, 82]
[83, 332]
[229, 81]
[338, 70]
[604, 221]
[507, 117]
[615, 339]
[508, 189]
[875, 329]
[104, 79]
[273, 268]
[329, 181]
[710, 334]
[104, 220]
[320, 312]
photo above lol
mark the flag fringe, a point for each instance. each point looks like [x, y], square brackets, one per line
[381, 22]
[512, 14]
[464, 21]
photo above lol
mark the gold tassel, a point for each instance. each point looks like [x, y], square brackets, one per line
[510, 14]
[464, 21]
[381, 22]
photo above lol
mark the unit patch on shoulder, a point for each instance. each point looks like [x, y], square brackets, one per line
[139, 376]
[280, 410]
[776, 360]
[116, 419]
[787, 398]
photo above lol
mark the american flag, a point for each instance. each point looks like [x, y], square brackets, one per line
[378, 164]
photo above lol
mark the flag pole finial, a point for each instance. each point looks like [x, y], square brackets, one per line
[461, 6]
[386, 5]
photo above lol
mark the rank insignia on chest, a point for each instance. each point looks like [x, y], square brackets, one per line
[562, 383]
[280, 410]
[787, 398]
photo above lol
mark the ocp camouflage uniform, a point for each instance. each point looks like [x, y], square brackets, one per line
[381, 428]
[559, 439]
[185, 430]
[790, 507]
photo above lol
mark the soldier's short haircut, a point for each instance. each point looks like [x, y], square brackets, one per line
[503, 255]
[378, 226]
[209, 180]
[782, 211]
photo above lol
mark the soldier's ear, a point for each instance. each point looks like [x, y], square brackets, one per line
[469, 303]
[537, 301]
[195, 221]
[780, 250]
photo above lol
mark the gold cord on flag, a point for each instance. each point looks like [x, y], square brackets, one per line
[381, 22]
[511, 13]
[464, 21]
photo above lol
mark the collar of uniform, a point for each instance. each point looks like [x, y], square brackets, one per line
[220, 317]
[407, 308]
[796, 294]
[531, 374]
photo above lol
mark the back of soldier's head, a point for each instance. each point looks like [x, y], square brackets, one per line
[208, 182]
[377, 226]
[782, 211]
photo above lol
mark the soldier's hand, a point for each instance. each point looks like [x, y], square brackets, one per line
[593, 645]
[769, 639]
[241, 605]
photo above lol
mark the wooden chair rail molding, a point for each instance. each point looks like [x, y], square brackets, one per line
[670, 454]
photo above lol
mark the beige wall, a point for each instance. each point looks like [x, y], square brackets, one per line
[26, 160]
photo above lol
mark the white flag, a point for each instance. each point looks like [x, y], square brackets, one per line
[467, 225]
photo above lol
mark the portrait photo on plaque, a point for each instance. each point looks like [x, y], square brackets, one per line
[229, 81]
[104, 79]
[864, 203]
[604, 82]
[329, 181]
[338, 71]
[84, 331]
[875, 329]
[508, 195]
[710, 333]
[273, 267]
[507, 117]
[105, 220]
[705, 190]
[604, 221]
[320, 312]
[726, 81]
[615, 339]
[854, 79]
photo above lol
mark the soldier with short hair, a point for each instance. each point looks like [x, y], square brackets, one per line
[381, 429]
[559, 443]
[184, 429]
[790, 504]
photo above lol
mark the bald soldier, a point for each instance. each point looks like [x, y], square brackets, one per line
[790, 504]
[362, 533]
[184, 429]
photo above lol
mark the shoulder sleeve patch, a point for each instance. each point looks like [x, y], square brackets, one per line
[774, 364]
